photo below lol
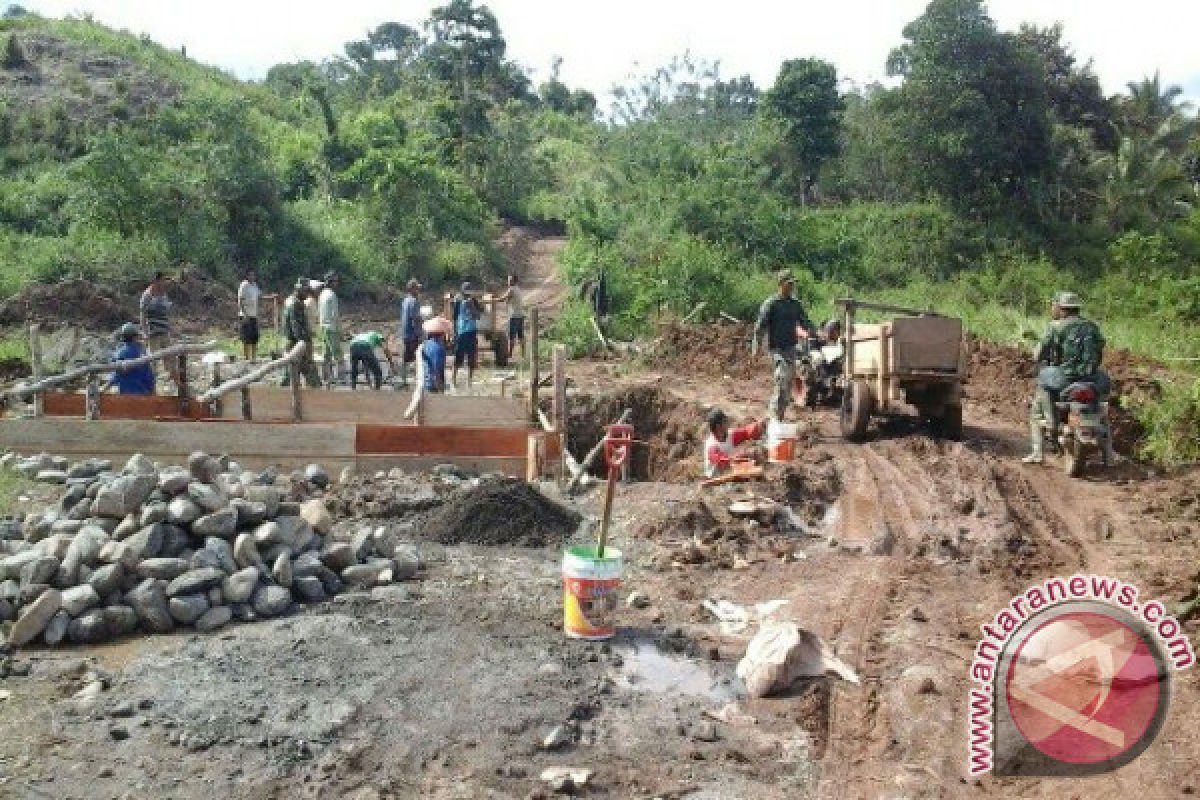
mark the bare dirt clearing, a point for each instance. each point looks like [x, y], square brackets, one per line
[462, 685]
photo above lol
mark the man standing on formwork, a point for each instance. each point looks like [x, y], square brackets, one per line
[155, 308]
[296, 329]
[780, 316]
[410, 327]
[330, 324]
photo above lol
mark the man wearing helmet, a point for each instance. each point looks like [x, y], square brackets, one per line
[131, 380]
[431, 369]
[1072, 350]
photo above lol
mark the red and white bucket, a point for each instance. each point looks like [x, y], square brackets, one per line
[590, 587]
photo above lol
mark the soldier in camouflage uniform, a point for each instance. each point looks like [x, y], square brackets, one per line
[295, 329]
[1076, 347]
[780, 315]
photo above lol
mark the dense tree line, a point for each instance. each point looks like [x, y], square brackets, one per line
[996, 161]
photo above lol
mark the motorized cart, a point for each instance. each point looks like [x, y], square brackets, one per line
[916, 358]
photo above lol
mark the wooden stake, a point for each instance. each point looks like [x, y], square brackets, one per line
[297, 405]
[606, 515]
[216, 406]
[92, 401]
[534, 378]
[247, 412]
[35, 358]
[182, 384]
[560, 388]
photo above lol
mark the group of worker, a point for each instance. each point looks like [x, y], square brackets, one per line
[1073, 347]
[311, 315]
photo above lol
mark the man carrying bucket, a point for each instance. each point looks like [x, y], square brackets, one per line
[721, 441]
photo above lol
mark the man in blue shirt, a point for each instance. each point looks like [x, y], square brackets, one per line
[467, 312]
[131, 380]
[433, 355]
[410, 328]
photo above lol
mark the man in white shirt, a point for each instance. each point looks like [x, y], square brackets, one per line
[248, 297]
[329, 322]
[514, 300]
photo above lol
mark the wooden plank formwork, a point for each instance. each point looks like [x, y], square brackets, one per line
[367, 447]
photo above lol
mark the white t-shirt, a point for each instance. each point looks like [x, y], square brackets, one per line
[327, 308]
[516, 302]
[248, 296]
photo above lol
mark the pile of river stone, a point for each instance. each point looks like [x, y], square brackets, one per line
[151, 548]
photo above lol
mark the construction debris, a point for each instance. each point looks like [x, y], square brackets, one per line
[151, 548]
[783, 653]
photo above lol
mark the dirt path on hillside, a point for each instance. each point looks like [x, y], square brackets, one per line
[534, 258]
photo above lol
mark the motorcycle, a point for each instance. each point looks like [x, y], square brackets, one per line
[819, 371]
[1080, 427]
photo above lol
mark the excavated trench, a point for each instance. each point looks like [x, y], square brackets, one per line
[669, 431]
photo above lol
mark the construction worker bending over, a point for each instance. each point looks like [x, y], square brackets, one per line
[781, 314]
[362, 352]
[431, 365]
[131, 380]
[722, 440]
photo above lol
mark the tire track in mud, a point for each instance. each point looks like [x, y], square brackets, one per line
[898, 503]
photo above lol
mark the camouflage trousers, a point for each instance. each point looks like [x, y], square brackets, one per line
[783, 363]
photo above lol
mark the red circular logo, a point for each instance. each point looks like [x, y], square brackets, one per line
[1084, 688]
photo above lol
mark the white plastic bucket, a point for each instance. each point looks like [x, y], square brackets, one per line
[590, 587]
[781, 441]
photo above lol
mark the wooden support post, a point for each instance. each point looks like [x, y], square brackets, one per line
[216, 407]
[183, 385]
[294, 380]
[560, 407]
[35, 359]
[534, 378]
[247, 412]
[92, 398]
[535, 457]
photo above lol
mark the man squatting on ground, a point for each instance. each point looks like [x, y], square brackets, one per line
[248, 298]
[131, 380]
[778, 318]
[410, 327]
[721, 442]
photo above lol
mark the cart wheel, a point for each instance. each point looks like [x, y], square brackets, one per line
[856, 411]
[500, 349]
[949, 424]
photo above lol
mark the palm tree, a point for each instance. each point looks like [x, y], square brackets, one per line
[1143, 183]
[1150, 105]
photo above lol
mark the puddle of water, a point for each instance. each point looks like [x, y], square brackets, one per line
[646, 668]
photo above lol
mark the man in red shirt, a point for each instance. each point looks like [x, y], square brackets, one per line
[721, 441]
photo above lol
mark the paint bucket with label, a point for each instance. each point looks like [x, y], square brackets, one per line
[781, 441]
[590, 586]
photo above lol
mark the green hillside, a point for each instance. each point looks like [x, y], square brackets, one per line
[995, 172]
